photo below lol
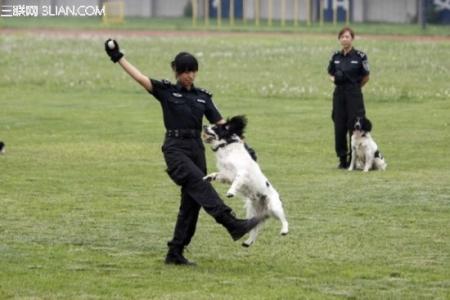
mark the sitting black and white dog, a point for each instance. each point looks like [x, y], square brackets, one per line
[365, 153]
[236, 167]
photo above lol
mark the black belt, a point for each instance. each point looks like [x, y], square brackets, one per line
[183, 133]
[347, 85]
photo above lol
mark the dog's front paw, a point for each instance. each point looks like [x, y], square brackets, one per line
[210, 177]
[366, 170]
[350, 169]
[284, 229]
[230, 194]
[246, 244]
[284, 232]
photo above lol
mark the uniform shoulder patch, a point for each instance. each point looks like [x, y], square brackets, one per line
[361, 54]
[166, 82]
[364, 60]
[205, 91]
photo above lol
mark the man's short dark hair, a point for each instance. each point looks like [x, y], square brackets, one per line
[184, 62]
[346, 29]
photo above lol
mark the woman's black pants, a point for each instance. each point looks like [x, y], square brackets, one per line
[348, 104]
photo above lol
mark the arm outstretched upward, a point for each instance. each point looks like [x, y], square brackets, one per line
[117, 56]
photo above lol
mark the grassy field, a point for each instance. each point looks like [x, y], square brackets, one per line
[86, 207]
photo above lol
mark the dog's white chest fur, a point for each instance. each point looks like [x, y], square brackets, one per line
[364, 155]
[364, 145]
[234, 162]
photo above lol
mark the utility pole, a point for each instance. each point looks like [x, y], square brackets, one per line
[364, 10]
[422, 12]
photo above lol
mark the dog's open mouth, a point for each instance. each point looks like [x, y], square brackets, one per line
[207, 138]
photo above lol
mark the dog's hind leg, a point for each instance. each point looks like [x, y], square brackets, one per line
[276, 209]
[253, 234]
[251, 212]
[379, 164]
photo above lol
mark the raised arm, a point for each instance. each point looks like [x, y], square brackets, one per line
[143, 80]
[113, 50]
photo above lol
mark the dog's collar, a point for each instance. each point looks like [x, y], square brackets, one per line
[224, 145]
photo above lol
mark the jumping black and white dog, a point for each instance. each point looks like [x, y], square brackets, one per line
[365, 153]
[236, 167]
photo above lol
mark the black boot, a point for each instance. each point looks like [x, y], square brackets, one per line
[343, 162]
[237, 228]
[175, 257]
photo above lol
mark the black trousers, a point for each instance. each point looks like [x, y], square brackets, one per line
[348, 103]
[186, 166]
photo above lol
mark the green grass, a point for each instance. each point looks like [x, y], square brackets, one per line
[137, 23]
[86, 207]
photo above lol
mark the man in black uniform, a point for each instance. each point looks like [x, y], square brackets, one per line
[349, 70]
[184, 106]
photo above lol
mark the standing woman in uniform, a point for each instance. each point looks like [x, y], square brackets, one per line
[349, 71]
[183, 106]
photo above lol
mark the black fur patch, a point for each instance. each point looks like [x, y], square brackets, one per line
[366, 125]
[236, 125]
[233, 126]
[378, 154]
[363, 123]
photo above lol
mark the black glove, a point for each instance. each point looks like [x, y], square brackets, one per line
[250, 151]
[339, 77]
[114, 53]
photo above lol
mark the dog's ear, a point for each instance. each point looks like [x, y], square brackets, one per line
[236, 125]
[367, 125]
[351, 124]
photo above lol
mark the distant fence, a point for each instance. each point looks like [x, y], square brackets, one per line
[331, 10]
[321, 11]
[270, 10]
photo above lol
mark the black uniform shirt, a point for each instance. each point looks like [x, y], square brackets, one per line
[182, 108]
[354, 66]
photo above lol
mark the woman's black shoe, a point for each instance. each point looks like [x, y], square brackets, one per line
[175, 257]
[343, 162]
